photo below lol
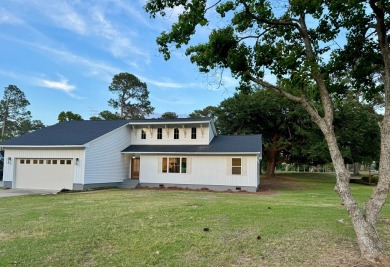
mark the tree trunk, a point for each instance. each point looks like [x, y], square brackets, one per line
[356, 168]
[271, 161]
[368, 239]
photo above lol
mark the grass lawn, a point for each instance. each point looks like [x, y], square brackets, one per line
[296, 220]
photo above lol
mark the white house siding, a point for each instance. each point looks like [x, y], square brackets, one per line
[42, 153]
[104, 161]
[168, 136]
[205, 170]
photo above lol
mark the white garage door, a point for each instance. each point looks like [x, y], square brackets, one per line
[54, 174]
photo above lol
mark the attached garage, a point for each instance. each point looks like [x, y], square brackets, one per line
[38, 173]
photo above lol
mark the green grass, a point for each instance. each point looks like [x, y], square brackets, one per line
[295, 223]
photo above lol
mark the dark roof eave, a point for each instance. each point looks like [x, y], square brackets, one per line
[196, 153]
[43, 146]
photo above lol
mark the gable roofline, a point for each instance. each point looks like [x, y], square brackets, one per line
[43, 146]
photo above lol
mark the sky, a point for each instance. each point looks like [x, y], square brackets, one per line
[63, 55]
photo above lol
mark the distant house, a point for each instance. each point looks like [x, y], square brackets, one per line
[128, 153]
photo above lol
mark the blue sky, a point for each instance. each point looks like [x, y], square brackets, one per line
[63, 54]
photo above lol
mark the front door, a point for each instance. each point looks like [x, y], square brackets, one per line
[135, 168]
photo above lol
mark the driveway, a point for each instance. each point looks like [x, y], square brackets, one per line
[20, 192]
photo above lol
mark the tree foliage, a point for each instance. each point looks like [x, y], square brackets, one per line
[261, 112]
[106, 115]
[292, 41]
[13, 111]
[207, 112]
[132, 96]
[169, 115]
[69, 116]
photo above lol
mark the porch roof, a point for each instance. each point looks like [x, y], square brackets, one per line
[222, 144]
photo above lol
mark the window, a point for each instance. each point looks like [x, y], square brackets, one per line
[193, 133]
[159, 133]
[176, 133]
[236, 166]
[183, 165]
[41, 161]
[174, 165]
[62, 161]
[48, 161]
[68, 162]
[143, 134]
[27, 161]
[22, 161]
[54, 161]
[35, 161]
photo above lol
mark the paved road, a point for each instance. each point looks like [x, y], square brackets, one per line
[20, 192]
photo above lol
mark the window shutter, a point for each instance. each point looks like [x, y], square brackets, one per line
[229, 166]
[243, 166]
[159, 165]
[189, 165]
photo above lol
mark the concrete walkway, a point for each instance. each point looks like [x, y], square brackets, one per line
[20, 192]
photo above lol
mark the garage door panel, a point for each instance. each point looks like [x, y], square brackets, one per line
[43, 174]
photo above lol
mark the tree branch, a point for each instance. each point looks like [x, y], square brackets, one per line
[267, 21]
[210, 7]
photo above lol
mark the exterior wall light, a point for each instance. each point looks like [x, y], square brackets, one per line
[9, 160]
[77, 161]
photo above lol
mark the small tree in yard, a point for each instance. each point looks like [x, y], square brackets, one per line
[132, 95]
[293, 40]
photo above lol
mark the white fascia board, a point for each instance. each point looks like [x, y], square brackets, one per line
[167, 123]
[59, 146]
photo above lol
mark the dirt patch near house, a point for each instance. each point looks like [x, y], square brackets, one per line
[271, 185]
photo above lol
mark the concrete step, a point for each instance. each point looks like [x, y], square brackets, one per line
[129, 183]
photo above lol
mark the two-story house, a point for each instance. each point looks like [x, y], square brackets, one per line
[185, 153]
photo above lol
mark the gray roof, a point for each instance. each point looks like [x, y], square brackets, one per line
[181, 120]
[68, 133]
[77, 133]
[219, 144]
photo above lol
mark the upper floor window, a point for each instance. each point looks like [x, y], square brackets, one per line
[143, 134]
[193, 133]
[176, 133]
[159, 133]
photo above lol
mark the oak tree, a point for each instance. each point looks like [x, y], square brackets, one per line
[293, 41]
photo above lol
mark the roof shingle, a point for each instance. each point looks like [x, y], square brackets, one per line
[69, 133]
[219, 144]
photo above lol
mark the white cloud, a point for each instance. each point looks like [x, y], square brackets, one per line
[94, 67]
[166, 84]
[8, 18]
[61, 85]
[120, 44]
